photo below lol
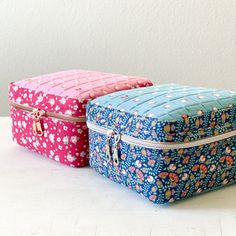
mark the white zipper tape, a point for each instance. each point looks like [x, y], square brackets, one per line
[163, 145]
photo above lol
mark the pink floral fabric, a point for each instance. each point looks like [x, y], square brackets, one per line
[64, 93]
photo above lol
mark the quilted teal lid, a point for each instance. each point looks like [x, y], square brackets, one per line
[166, 113]
[169, 101]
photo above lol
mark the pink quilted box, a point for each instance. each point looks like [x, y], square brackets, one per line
[48, 112]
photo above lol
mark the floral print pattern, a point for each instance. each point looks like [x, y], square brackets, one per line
[65, 93]
[62, 141]
[164, 176]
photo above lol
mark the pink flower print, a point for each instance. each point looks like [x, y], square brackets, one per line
[76, 107]
[51, 154]
[80, 131]
[24, 124]
[56, 158]
[55, 129]
[51, 138]
[15, 88]
[18, 100]
[19, 124]
[82, 154]
[74, 139]
[68, 112]
[66, 140]
[39, 99]
[62, 101]
[51, 101]
[36, 144]
[70, 158]
[23, 140]
[57, 108]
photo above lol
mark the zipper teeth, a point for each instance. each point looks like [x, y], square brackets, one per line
[163, 145]
[50, 114]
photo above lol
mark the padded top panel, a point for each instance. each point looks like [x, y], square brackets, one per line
[68, 92]
[168, 102]
[80, 84]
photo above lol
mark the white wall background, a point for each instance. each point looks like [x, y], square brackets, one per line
[183, 41]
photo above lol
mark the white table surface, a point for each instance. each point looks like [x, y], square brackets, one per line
[39, 196]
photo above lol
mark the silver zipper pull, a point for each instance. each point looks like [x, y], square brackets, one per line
[108, 146]
[115, 150]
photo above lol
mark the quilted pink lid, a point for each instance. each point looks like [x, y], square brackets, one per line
[67, 92]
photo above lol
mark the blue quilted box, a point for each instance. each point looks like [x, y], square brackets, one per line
[166, 142]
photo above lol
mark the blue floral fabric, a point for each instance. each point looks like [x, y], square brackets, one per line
[166, 175]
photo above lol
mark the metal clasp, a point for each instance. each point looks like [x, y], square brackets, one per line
[108, 146]
[37, 125]
[115, 149]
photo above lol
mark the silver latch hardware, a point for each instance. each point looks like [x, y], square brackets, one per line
[116, 149]
[108, 146]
